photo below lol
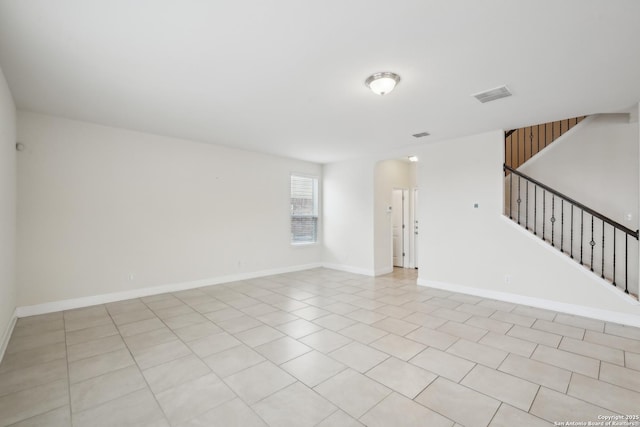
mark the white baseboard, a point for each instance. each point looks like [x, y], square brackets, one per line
[68, 304]
[6, 336]
[350, 269]
[578, 310]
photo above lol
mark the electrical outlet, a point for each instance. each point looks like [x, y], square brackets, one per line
[507, 279]
[131, 276]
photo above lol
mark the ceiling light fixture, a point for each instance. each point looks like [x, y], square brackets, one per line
[413, 158]
[382, 83]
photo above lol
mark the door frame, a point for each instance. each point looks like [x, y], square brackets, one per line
[413, 245]
[406, 211]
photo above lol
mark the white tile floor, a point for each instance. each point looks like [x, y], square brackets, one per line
[317, 348]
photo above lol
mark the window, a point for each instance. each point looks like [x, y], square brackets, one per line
[304, 209]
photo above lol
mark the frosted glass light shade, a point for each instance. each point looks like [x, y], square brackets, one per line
[382, 83]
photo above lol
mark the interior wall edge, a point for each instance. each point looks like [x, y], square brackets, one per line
[6, 336]
[384, 270]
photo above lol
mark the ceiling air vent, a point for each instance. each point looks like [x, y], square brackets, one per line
[492, 94]
[420, 135]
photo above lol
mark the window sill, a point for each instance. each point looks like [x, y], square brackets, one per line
[303, 244]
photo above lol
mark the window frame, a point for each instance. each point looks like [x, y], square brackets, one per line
[316, 206]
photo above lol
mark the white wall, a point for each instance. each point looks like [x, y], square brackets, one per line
[389, 174]
[476, 248]
[103, 210]
[596, 163]
[348, 201]
[7, 209]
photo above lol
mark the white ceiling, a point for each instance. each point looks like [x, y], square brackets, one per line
[287, 76]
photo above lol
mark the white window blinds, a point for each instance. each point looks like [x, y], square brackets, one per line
[304, 209]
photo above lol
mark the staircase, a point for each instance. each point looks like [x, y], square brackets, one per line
[604, 246]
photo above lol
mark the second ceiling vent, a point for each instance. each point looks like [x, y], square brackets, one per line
[420, 135]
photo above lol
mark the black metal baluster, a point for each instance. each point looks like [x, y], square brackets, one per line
[592, 243]
[571, 231]
[535, 210]
[553, 219]
[614, 256]
[510, 195]
[562, 225]
[526, 207]
[626, 263]
[544, 209]
[581, 234]
[602, 275]
[518, 200]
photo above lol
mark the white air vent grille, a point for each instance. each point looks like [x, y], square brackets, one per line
[492, 94]
[421, 134]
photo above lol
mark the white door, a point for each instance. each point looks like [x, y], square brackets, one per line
[397, 213]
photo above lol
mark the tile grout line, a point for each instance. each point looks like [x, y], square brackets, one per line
[585, 401]
[184, 343]
[532, 402]
[139, 369]
[43, 384]
[569, 384]
[534, 398]
[66, 352]
[496, 411]
[201, 360]
[338, 409]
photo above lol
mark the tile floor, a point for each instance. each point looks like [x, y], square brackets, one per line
[316, 348]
